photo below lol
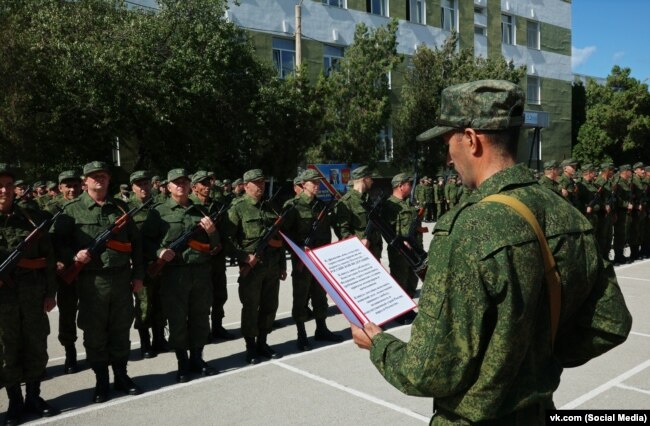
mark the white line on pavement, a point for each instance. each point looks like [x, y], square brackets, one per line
[636, 333]
[632, 388]
[632, 278]
[354, 392]
[606, 386]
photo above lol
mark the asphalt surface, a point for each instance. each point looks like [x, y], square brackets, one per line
[333, 384]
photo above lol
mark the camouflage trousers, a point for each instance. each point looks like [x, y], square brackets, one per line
[258, 293]
[305, 287]
[402, 272]
[219, 288]
[621, 230]
[24, 328]
[186, 294]
[105, 314]
[68, 302]
[148, 306]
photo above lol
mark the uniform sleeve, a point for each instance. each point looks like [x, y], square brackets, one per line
[47, 250]
[343, 220]
[137, 262]
[62, 238]
[231, 226]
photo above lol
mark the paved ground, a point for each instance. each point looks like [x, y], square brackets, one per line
[332, 384]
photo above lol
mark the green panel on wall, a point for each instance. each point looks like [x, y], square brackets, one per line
[433, 13]
[357, 5]
[521, 28]
[555, 39]
[397, 8]
[494, 29]
[466, 26]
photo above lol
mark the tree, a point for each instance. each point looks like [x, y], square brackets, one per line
[617, 125]
[356, 97]
[432, 70]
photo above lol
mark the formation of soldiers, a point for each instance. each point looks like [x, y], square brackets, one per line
[154, 255]
[614, 199]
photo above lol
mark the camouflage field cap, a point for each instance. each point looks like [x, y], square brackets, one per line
[155, 178]
[638, 165]
[238, 181]
[174, 174]
[227, 182]
[139, 175]
[480, 105]
[253, 175]
[200, 176]
[310, 174]
[18, 183]
[218, 183]
[551, 164]
[400, 178]
[568, 162]
[124, 187]
[624, 167]
[361, 172]
[96, 166]
[39, 184]
[69, 175]
[647, 169]
[586, 168]
[50, 185]
[6, 170]
[607, 166]
[297, 180]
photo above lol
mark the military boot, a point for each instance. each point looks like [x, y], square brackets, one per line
[251, 351]
[121, 381]
[101, 386]
[619, 259]
[145, 344]
[302, 343]
[324, 334]
[264, 349]
[219, 332]
[35, 404]
[634, 253]
[70, 365]
[16, 405]
[183, 374]
[198, 365]
[159, 343]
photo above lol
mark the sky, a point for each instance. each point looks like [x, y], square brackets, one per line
[611, 32]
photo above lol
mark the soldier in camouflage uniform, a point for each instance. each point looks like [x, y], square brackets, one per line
[351, 216]
[589, 195]
[452, 192]
[67, 297]
[605, 230]
[26, 295]
[625, 194]
[238, 187]
[566, 181]
[298, 226]
[640, 214]
[429, 201]
[185, 281]
[419, 193]
[482, 343]
[201, 196]
[439, 197]
[549, 180]
[148, 309]
[259, 287]
[106, 282]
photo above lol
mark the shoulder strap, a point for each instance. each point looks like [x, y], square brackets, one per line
[550, 271]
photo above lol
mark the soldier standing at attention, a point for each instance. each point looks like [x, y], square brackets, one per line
[625, 195]
[351, 216]
[259, 286]
[66, 296]
[549, 180]
[238, 187]
[428, 201]
[439, 197]
[482, 344]
[566, 181]
[452, 193]
[605, 229]
[26, 296]
[298, 226]
[148, 313]
[640, 205]
[106, 282]
[185, 281]
[201, 196]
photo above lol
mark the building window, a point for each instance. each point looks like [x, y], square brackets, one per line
[533, 91]
[507, 29]
[448, 15]
[284, 56]
[533, 35]
[335, 3]
[479, 30]
[386, 144]
[416, 11]
[332, 59]
[377, 7]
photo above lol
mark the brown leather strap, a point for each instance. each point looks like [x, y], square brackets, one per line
[275, 242]
[550, 269]
[119, 246]
[198, 246]
[37, 263]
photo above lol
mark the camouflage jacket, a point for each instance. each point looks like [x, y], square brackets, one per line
[167, 221]
[83, 220]
[14, 228]
[352, 218]
[140, 216]
[481, 344]
[549, 183]
[298, 223]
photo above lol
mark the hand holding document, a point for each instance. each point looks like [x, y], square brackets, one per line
[357, 283]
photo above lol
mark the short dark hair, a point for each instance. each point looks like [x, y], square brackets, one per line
[506, 140]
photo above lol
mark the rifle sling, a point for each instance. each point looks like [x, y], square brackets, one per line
[554, 288]
[36, 263]
[198, 246]
[120, 246]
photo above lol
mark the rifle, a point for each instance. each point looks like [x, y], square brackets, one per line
[316, 223]
[414, 255]
[179, 244]
[26, 194]
[265, 239]
[99, 243]
[17, 254]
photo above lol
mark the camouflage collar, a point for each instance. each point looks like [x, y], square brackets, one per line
[88, 202]
[172, 204]
[517, 175]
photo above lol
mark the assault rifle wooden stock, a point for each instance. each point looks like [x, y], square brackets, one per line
[318, 221]
[99, 243]
[179, 244]
[10, 263]
[414, 255]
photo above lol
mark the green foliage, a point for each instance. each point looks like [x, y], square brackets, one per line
[356, 97]
[430, 73]
[617, 125]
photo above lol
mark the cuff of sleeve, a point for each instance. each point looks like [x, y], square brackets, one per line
[380, 344]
